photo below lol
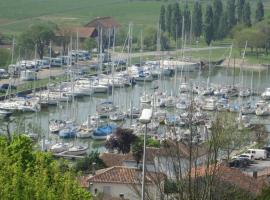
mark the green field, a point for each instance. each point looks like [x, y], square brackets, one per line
[17, 15]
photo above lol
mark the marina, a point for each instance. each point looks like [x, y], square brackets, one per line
[86, 110]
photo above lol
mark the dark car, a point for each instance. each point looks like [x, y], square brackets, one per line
[5, 86]
[240, 163]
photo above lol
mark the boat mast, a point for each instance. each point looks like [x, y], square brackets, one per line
[113, 62]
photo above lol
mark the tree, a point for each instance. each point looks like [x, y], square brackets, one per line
[64, 39]
[169, 18]
[197, 19]
[86, 164]
[217, 14]
[164, 41]
[187, 19]
[223, 28]
[208, 25]
[229, 137]
[259, 11]
[90, 44]
[162, 18]
[137, 150]
[150, 38]
[246, 14]
[121, 36]
[231, 13]
[176, 23]
[5, 57]
[39, 35]
[121, 140]
[240, 10]
[27, 174]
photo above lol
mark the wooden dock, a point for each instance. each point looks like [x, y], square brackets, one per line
[68, 156]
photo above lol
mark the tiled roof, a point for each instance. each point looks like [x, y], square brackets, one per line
[124, 175]
[83, 32]
[232, 176]
[105, 22]
[115, 159]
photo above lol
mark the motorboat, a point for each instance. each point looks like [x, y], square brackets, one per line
[68, 132]
[209, 104]
[133, 112]
[144, 76]
[247, 109]
[117, 116]
[85, 132]
[172, 120]
[146, 98]
[77, 150]
[266, 94]
[56, 125]
[59, 147]
[244, 92]
[169, 102]
[102, 132]
[5, 113]
[184, 87]
[262, 108]
[105, 108]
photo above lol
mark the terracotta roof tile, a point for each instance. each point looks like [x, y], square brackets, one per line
[83, 32]
[105, 22]
[232, 176]
[115, 159]
[124, 175]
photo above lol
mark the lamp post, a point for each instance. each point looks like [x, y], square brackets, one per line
[145, 118]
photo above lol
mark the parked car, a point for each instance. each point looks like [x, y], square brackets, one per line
[244, 156]
[4, 87]
[240, 162]
[3, 73]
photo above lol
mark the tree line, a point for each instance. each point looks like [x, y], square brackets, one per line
[215, 22]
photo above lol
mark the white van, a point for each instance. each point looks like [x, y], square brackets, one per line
[258, 153]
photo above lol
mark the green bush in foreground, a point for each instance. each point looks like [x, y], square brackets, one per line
[26, 174]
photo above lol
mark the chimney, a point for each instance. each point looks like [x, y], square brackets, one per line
[255, 174]
[94, 168]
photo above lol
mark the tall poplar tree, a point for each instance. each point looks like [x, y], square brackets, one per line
[169, 18]
[197, 19]
[187, 19]
[246, 14]
[231, 13]
[240, 10]
[217, 13]
[259, 11]
[176, 23]
[223, 28]
[162, 18]
[208, 25]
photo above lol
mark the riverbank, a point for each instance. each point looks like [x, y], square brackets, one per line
[238, 63]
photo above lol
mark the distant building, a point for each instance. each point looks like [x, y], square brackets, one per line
[124, 183]
[107, 27]
[105, 23]
[164, 160]
[82, 32]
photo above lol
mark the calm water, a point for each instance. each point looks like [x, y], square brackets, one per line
[82, 107]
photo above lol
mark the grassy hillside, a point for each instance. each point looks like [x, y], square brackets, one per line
[16, 15]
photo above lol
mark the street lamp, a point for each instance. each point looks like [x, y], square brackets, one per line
[145, 118]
